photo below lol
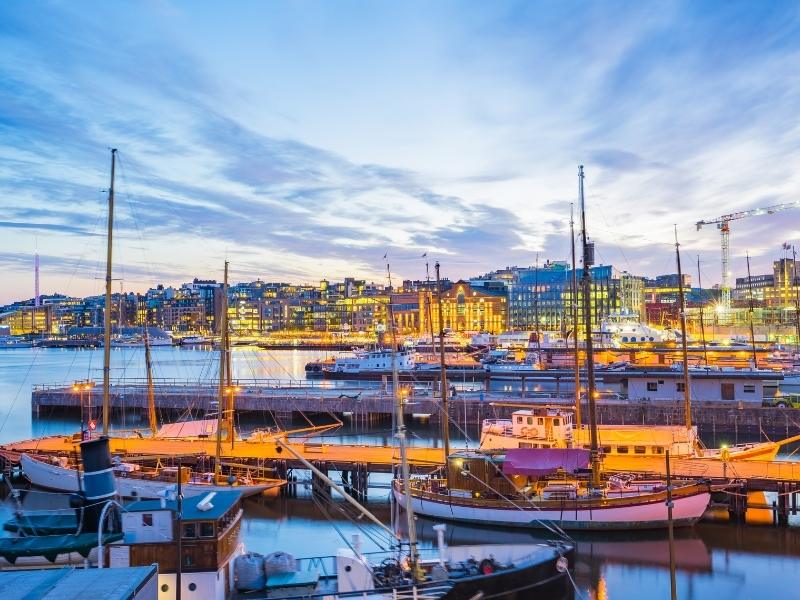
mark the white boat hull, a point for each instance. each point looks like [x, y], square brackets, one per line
[54, 477]
[686, 511]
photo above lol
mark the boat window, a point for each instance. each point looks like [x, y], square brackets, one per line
[625, 338]
[652, 386]
[622, 449]
[658, 449]
[530, 420]
[640, 449]
[189, 530]
[519, 419]
[206, 529]
[541, 421]
[556, 422]
[147, 519]
[749, 388]
[680, 386]
[605, 449]
[660, 382]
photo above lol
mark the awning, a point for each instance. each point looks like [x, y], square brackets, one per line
[537, 462]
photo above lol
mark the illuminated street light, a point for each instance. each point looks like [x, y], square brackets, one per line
[80, 387]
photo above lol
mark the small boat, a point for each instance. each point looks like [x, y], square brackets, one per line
[9, 342]
[502, 571]
[195, 340]
[373, 361]
[134, 481]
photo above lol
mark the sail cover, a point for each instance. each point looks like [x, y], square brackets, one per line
[538, 462]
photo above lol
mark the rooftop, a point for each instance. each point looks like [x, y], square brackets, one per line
[221, 502]
[75, 584]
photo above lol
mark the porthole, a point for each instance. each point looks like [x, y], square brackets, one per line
[165, 588]
[192, 587]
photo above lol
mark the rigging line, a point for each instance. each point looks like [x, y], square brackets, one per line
[134, 214]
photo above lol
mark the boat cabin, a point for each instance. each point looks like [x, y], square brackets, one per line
[553, 427]
[539, 427]
[374, 360]
[209, 532]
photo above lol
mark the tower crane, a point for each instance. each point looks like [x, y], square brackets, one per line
[723, 224]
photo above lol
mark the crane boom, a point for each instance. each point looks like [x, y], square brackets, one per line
[755, 212]
[723, 224]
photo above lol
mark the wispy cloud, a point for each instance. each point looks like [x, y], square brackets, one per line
[303, 145]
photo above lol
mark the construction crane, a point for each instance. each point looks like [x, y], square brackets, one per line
[723, 224]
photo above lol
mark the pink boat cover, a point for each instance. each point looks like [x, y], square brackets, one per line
[537, 462]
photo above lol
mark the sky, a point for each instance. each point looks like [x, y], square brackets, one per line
[306, 140]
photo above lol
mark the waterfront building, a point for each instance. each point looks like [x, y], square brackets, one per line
[469, 309]
[28, 319]
[541, 298]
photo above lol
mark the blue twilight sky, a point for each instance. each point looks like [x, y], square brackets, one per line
[305, 139]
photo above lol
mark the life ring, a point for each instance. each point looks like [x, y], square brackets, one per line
[486, 566]
[524, 431]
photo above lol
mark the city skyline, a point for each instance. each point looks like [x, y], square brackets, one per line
[309, 144]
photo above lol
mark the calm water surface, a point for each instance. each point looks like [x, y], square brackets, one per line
[715, 560]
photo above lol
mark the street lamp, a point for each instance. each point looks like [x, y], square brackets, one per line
[80, 387]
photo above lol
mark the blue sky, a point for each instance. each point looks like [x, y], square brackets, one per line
[305, 139]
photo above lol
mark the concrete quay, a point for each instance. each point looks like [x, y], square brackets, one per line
[372, 404]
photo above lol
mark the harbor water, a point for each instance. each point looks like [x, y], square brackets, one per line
[714, 560]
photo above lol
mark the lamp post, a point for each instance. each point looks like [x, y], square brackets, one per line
[80, 387]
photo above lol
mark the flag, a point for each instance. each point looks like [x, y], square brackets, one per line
[424, 255]
[385, 255]
[786, 245]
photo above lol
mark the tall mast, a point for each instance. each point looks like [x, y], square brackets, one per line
[445, 404]
[687, 392]
[750, 304]
[586, 282]
[536, 313]
[575, 324]
[702, 323]
[223, 327]
[796, 300]
[401, 436]
[107, 306]
[151, 397]
[428, 302]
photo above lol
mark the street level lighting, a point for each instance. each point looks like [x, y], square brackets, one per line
[86, 423]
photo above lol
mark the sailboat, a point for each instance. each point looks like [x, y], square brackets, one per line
[563, 488]
[133, 479]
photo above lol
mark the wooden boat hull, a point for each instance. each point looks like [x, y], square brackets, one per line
[54, 477]
[619, 514]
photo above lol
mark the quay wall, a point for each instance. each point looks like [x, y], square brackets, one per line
[466, 409]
